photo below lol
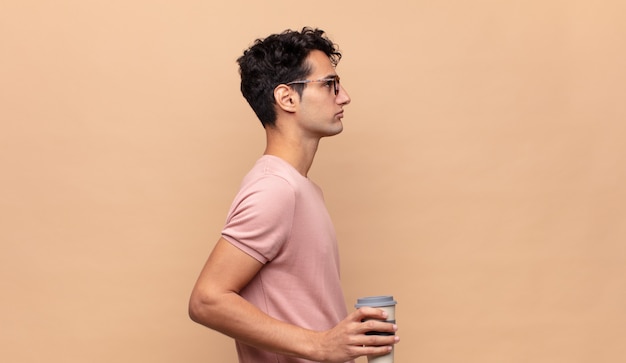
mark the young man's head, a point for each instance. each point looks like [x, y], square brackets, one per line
[280, 59]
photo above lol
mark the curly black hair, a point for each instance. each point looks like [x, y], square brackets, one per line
[278, 59]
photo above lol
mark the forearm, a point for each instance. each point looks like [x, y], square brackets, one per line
[232, 315]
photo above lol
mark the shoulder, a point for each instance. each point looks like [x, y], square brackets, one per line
[269, 184]
[270, 170]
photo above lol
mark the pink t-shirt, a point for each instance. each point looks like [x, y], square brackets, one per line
[279, 218]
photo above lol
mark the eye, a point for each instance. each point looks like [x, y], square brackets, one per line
[329, 82]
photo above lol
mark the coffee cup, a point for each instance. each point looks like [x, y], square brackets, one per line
[388, 304]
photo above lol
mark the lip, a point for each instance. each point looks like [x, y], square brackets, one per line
[339, 114]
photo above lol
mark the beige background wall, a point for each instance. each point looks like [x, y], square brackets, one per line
[480, 177]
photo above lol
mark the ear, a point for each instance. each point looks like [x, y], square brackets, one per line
[285, 98]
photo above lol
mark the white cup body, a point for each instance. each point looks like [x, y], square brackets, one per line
[387, 358]
[390, 308]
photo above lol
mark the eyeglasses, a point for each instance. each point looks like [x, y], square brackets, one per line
[334, 80]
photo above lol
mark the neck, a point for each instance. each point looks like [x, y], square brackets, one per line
[297, 152]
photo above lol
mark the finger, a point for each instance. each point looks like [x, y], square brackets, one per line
[367, 312]
[380, 351]
[380, 340]
[373, 350]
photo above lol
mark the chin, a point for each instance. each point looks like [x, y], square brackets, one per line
[336, 131]
[331, 130]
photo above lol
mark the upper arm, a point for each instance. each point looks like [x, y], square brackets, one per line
[228, 269]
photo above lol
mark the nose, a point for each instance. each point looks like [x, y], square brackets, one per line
[343, 98]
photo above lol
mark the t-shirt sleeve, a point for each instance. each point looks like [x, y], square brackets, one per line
[260, 219]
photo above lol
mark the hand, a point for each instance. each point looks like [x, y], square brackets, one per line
[347, 340]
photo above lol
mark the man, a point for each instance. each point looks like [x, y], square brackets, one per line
[272, 280]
